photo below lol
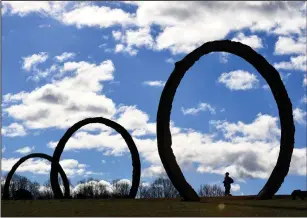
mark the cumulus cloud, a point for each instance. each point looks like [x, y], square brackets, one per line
[120, 48]
[239, 80]
[132, 39]
[249, 150]
[13, 130]
[91, 16]
[201, 107]
[295, 63]
[38, 74]
[39, 166]
[25, 150]
[264, 127]
[65, 56]
[176, 18]
[67, 100]
[299, 116]
[253, 41]
[32, 60]
[157, 83]
[287, 45]
[117, 35]
[235, 187]
[305, 80]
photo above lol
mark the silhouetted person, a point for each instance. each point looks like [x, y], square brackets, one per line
[227, 184]
[22, 194]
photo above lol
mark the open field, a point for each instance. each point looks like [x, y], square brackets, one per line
[220, 206]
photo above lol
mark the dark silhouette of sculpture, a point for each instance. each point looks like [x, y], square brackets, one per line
[136, 164]
[269, 73]
[227, 184]
[22, 194]
[23, 159]
[299, 193]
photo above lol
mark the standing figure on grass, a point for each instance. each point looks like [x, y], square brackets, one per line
[227, 184]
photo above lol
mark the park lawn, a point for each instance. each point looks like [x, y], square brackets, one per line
[155, 207]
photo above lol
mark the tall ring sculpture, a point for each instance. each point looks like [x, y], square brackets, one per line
[272, 77]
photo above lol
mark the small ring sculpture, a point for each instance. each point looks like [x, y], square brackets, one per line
[23, 159]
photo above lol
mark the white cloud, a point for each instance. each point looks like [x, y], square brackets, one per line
[25, 150]
[170, 60]
[128, 49]
[65, 101]
[40, 166]
[18, 7]
[253, 41]
[249, 150]
[175, 18]
[3, 149]
[132, 118]
[153, 171]
[157, 83]
[305, 80]
[266, 87]
[299, 116]
[44, 25]
[138, 38]
[38, 74]
[65, 56]
[287, 45]
[263, 128]
[199, 108]
[13, 130]
[235, 187]
[102, 45]
[94, 16]
[223, 56]
[304, 99]
[117, 35]
[239, 80]
[10, 98]
[295, 63]
[133, 39]
[196, 18]
[33, 60]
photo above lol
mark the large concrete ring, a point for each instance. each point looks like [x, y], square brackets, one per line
[136, 164]
[23, 159]
[273, 79]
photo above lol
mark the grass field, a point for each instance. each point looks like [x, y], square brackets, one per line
[220, 206]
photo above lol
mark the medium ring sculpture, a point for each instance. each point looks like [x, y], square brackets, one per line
[23, 159]
[272, 77]
[136, 164]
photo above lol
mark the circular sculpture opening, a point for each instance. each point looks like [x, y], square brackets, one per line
[136, 164]
[272, 77]
[35, 155]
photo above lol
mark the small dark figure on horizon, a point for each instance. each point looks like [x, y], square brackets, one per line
[227, 184]
[22, 194]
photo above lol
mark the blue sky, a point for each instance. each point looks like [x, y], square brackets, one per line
[63, 62]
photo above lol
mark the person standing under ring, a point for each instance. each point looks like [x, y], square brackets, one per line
[227, 184]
